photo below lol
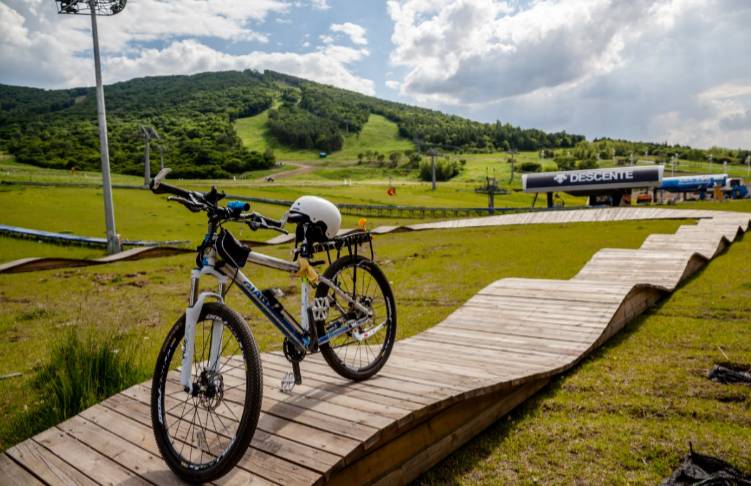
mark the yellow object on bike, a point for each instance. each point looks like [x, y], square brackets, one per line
[307, 270]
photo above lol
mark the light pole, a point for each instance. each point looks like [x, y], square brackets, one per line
[94, 8]
[432, 154]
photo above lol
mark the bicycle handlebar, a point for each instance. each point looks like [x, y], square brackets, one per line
[167, 189]
[198, 201]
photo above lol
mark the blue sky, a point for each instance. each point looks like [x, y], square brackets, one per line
[657, 70]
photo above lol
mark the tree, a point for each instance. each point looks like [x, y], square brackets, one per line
[395, 158]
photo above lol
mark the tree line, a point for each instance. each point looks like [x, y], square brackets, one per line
[193, 116]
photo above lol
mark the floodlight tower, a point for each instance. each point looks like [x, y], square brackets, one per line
[94, 8]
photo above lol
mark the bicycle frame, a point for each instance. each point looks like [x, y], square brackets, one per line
[300, 338]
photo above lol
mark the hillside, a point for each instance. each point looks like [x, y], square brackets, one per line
[377, 134]
[215, 125]
[195, 116]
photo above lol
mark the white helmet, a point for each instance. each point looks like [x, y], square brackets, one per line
[320, 212]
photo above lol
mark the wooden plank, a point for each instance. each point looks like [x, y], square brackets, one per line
[437, 450]
[11, 474]
[400, 407]
[295, 452]
[254, 461]
[383, 460]
[46, 465]
[136, 460]
[84, 458]
[321, 373]
[141, 435]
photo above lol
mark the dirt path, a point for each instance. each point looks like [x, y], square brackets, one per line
[301, 169]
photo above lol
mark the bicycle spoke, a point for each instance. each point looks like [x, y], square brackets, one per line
[199, 429]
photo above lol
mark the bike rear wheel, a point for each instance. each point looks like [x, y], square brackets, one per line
[361, 352]
[202, 434]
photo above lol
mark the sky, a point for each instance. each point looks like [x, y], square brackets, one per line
[676, 71]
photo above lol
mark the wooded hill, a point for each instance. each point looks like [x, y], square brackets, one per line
[194, 116]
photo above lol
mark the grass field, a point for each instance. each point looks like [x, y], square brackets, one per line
[378, 134]
[625, 415]
[141, 299]
[628, 413]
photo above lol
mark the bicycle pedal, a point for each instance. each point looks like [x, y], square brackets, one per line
[288, 382]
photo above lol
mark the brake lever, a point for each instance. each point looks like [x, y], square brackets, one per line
[254, 225]
[192, 207]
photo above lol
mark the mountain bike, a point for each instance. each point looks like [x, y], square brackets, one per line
[207, 388]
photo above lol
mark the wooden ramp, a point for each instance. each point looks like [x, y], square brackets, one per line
[438, 390]
[536, 217]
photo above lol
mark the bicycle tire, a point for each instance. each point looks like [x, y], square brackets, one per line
[222, 464]
[329, 351]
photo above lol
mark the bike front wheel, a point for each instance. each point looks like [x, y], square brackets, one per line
[203, 432]
[364, 348]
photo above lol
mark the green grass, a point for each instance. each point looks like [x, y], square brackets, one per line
[138, 214]
[10, 170]
[80, 372]
[378, 134]
[627, 414]
[431, 272]
[13, 249]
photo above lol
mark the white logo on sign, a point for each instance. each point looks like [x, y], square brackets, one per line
[560, 178]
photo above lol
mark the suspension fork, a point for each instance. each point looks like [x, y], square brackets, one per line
[196, 301]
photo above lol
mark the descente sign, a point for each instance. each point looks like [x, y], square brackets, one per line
[594, 179]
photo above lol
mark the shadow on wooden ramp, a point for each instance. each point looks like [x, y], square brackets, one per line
[438, 390]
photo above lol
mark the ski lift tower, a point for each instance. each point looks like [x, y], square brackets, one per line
[94, 8]
[491, 189]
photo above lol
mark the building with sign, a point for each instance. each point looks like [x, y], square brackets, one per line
[602, 186]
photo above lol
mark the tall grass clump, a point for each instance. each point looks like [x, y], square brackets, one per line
[83, 369]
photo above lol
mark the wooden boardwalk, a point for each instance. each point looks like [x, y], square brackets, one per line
[438, 390]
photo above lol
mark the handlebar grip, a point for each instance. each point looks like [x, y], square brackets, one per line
[167, 189]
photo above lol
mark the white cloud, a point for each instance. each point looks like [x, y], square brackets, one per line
[660, 70]
[321, 4]
[326, 39]
[327, 66]
[41, 48]
[355, 32]
[391, 84]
